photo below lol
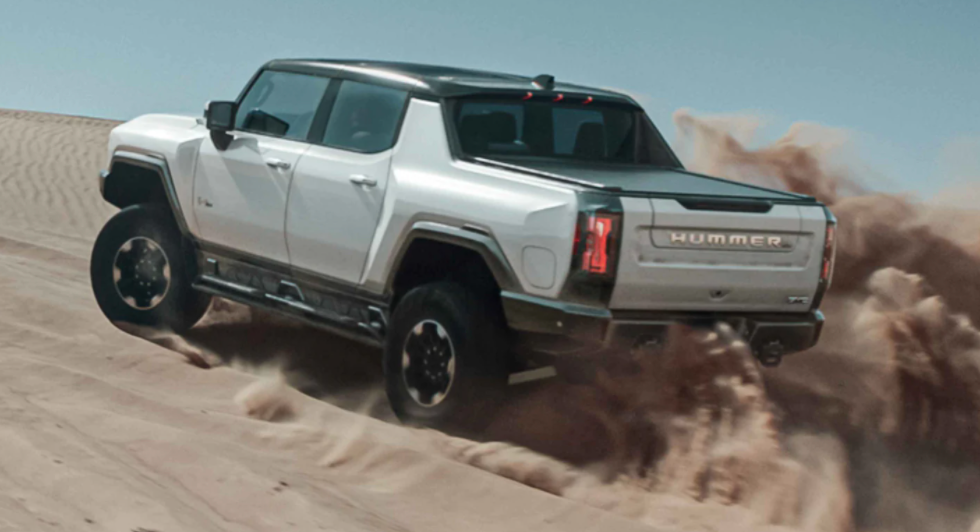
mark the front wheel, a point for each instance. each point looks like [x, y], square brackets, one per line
[139, 271]
[446, 358]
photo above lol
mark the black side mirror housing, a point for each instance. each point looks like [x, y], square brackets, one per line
[220, 116]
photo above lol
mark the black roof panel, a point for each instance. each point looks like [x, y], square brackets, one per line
[434, 80]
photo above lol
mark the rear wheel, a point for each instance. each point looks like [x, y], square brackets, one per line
[139, 271]
[446, 358]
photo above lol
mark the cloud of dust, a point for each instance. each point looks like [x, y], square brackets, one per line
[876, 428]
[269, 398]
[194, 355]
[690, 438]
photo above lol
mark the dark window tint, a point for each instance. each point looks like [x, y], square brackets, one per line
[281, 104]
[572, 124]
[492, 126]
[365, 117]
[595, 133]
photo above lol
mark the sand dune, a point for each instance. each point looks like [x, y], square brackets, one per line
[876, 429]
[100, 430]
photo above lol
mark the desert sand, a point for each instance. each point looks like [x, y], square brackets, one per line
[103, 429]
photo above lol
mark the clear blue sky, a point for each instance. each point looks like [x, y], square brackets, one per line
[903, 75]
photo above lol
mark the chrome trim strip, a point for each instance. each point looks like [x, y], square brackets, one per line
[230, 285]
[289, 302]
[473, 228]
[382, 319]
[299, 290]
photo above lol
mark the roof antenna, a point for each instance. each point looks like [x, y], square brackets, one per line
[545, 81]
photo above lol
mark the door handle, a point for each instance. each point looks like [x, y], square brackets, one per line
[278, 163]
[363, 180]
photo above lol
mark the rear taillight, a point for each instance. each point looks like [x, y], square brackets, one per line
[596, 250]
[829, 252]
[829, 247]
[597, 242]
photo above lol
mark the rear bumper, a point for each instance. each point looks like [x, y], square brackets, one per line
[555, 328]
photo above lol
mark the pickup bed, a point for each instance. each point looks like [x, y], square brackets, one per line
[471, 224]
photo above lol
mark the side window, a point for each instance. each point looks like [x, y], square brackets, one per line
[281, 104]
[364, 117]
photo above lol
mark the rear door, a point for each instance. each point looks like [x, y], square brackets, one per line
[339, 184]
[241, 192]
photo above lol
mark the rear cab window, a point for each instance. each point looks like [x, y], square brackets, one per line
[365, 117]
[583, 131]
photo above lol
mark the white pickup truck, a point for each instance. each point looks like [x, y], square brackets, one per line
[473, 224]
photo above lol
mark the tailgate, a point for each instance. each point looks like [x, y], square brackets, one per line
[679, 258]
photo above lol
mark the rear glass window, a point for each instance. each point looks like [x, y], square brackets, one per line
[594, 133]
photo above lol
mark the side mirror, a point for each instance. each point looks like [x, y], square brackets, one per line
[220, 116]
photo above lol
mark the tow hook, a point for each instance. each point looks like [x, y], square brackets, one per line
[771, 354]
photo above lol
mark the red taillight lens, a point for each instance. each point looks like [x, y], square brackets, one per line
[827, 267]
[829, 248]
[599, 233]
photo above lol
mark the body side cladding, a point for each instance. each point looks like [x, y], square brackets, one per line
[151, 161]
[300, 275]
[538, 315]
[272, 306]
[469, 237]
[314, 299]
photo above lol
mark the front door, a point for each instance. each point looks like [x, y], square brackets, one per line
[340, 182]
[240, 192]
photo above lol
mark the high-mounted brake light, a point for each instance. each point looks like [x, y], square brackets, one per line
[587, 101]
[528, 96]
[599, 253]
[559, 98]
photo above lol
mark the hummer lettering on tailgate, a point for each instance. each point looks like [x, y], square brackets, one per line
[726, 241]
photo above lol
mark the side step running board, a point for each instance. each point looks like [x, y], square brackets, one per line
[340, 325]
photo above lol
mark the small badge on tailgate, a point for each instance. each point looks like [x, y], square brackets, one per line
[798, 300]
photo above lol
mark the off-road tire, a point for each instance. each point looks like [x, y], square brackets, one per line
[478, 337]
[174, 306]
